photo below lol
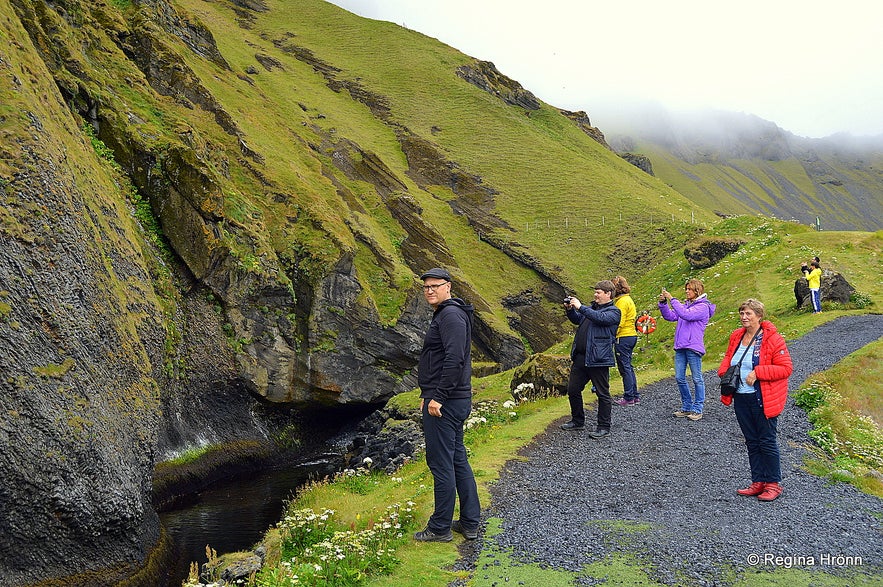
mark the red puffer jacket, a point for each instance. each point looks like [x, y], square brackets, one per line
[772, 369]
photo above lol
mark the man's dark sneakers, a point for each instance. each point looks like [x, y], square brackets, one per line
[428, 535]
[599, 433]
[572, 426]
[467, 534]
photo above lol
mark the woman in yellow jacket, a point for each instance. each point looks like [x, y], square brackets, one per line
[626, 339]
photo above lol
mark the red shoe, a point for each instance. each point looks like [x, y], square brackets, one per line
[770, 492]
[755, 488]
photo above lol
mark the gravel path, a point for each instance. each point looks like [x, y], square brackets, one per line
[678, 478]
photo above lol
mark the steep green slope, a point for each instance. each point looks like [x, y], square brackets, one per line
[530, 165]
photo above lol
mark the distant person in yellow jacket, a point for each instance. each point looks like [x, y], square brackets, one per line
[813, 275]
[626, 339]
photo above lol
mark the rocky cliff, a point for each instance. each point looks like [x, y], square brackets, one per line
[212, 216]
[167, 275]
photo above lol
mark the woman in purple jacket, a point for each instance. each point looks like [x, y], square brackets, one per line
[692, 317]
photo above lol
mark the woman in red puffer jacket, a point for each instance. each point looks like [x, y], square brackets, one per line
[760, 398]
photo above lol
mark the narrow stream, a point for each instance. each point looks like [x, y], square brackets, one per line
[234, 515]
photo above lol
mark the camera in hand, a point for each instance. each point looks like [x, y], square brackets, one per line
[567, 299]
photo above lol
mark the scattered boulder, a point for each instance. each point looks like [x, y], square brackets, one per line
[548, 374]
[245, 568]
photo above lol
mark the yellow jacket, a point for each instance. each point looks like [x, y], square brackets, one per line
[629, 314]
[814, 278]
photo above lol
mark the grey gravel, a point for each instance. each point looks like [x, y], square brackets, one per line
[571, 503]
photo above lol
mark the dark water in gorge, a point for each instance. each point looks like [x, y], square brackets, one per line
[233, 515]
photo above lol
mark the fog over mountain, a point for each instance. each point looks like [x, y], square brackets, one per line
[713, 155]
[652, 121]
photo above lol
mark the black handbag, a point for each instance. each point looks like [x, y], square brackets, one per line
[731, 378]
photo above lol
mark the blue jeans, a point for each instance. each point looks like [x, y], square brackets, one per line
[760, 438]
[684, 357]
[624, 347]
[451, 474]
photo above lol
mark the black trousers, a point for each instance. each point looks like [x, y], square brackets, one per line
[451, 473]
[580, 375]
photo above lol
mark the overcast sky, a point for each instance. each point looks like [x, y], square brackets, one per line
[814, 68]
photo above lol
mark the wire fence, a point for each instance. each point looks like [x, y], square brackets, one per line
[642, 220]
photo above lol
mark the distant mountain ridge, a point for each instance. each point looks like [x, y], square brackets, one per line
[740, 163]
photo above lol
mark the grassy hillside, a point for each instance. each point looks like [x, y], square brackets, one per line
[558, 196]
[285, 150]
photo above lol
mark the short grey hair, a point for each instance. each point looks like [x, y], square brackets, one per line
[755, 306]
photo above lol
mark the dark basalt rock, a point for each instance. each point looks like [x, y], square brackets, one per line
[708, 251]
[642, 162]
[485, 75]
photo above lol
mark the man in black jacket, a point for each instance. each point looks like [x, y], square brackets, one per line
[592, 355]
[445, 378]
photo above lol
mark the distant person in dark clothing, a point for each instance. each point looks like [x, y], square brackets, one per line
[444, 375]
[592, 354]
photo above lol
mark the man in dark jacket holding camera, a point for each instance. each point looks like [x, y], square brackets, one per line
[445, 378]
[592, 355]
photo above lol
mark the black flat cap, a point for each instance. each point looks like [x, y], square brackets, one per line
[438, 273]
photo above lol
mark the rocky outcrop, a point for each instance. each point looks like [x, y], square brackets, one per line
[642, 162]
[708, 251]
[541, 375]
[485, 75]
[584, 124]
[389, 438]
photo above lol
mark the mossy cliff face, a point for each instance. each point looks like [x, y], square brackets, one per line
[82, 339]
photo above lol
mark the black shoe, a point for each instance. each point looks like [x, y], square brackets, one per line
[467, 534]
[599, 433]
[572, 426]
[430, 536]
